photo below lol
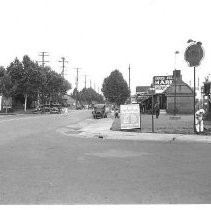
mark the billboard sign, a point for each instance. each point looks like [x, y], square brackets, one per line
[130, 116]
[162, 82]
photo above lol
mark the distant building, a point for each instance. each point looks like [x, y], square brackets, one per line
[68, 101]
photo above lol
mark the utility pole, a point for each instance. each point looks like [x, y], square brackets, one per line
[43, 61]
[129, 82]
[76, 98]
[43, 55]
[85, 81]
[63, 65]
[90, 82]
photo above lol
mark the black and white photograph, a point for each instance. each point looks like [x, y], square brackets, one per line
[105, 103]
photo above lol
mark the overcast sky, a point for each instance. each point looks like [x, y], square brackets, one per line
[99, 36]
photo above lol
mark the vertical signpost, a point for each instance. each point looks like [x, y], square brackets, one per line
[152, 89]
[193, 55]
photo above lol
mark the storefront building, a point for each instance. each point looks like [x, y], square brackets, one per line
[164, 93]
[179, 96]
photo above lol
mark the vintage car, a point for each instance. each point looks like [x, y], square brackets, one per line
[99, 111]
[55, 109]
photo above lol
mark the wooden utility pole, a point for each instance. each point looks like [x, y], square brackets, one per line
[76, 98]
[90, 82]
[43, 61]
[63, 65]
[43, 55]
[85, 81]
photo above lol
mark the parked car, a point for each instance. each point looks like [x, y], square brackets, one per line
[38, 110]
[99, 111]
[55, 109]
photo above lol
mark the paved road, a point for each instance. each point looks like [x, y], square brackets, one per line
[40, 165]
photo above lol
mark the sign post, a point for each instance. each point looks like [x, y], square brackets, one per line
[152, 89]
[193, 55]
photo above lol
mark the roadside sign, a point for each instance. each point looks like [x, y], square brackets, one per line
[130, 116]
[162, 82]
[194, 54]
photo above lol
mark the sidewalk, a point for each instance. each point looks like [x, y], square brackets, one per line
[101, 129]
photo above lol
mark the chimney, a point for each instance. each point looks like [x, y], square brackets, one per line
[177, 74]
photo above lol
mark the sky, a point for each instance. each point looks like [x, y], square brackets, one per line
[99, 36]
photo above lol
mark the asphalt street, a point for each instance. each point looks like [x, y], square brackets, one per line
[41, 165]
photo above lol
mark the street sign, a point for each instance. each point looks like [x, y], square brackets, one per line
[130, 116]
[162, 82]
[194, 54]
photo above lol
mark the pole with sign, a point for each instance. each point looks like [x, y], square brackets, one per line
[193, 55]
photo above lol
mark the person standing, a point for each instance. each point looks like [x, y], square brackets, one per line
[199, 120]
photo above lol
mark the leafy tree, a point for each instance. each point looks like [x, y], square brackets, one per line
[31, 80]
[115, 88]
[2, 71]
[89, 95]
[6, 87]
[56, 85]
[25, 76]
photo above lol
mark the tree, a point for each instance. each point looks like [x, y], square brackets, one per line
[88, 95]
[6, 86]
[26, 77]
[115, 88]
[2, 71]
[35, 82]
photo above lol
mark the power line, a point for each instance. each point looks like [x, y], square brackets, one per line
[43, 55]
[63, 65]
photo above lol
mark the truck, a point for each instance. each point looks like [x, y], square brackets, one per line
[99, 111]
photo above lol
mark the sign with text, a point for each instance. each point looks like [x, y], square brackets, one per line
[130, 116]
[162, 82]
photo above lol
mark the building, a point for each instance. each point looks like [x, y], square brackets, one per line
[165, 95]
[179, 96]
[68, 101]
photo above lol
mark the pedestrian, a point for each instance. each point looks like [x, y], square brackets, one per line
[157, 110]
[116, 114]
[199, 121]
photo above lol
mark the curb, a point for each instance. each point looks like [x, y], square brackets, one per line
[101, 129]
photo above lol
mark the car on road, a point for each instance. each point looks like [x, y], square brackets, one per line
[99, 111]
[55, 109]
